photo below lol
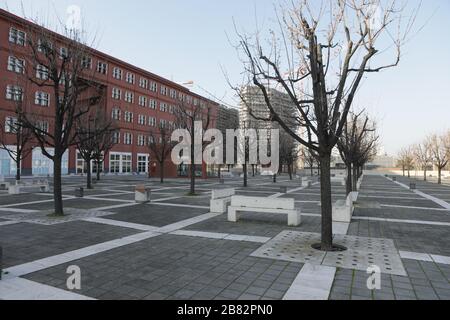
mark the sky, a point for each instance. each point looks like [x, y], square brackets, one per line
[186, 40]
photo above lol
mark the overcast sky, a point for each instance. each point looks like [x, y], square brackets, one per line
[188, 40]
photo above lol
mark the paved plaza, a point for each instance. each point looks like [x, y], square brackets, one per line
[174, 248]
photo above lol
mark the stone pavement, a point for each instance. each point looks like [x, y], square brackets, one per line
[173, 248]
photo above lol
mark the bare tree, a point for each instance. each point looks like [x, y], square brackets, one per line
[186, 118]
[103, 144]
[23, 136]
[160, 145]
[93, 129]
[289, 153]
[309, 158]
[406, 160]
[356, 146]
[59, 67]
[327, 48]
[423, 156]
[440, 149]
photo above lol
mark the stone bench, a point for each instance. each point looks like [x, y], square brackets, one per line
[306, 183]
[4, 185]
[142, 194]
[340, 180]
[220, 199]
[264, 205]
[28, 188]
[343, 209]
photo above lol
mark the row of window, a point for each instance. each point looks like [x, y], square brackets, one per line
[143, 101]
[142, 140]
[11, 125]
[15, 93]
[142, 119]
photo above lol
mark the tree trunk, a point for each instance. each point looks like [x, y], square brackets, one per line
[349, 179]
[425, 174]
[161, 173]
[245, 176]
[326, 201]
[98, 170]
[403, 171]
[89, 175]
[219, 174]
[439, 175]
[290, 171]
[57, 191]
[312, 170]
[274, 178]
[409, 174]
[355, 177]
[192, 192]
[253, 170]
[18, 173]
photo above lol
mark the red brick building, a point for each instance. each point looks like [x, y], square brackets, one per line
[136, 99]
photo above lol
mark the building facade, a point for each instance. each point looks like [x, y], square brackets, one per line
[135, 99]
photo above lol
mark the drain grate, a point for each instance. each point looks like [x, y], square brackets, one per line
[363, 252]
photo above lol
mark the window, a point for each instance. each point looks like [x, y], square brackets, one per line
[115, 114]
[195, 102]
[126, 163]
[102, 67]
[173, 93]
[163, 107]
[128, 116]
[142, 164]
[163, 123]
[16, 65]
[63, 53]
[42, 126]
[142, 101]
[152, 122]
[41, 72]
[151, 140]
[171, 109]
[142, 120]
[143, 83]
[42, 99]
[116, 94]
[17, 36]
[14, 93]
[141, 140]
[128, 138]
[129, 97]
[153, 86]
[130, 77]
[45, 46]
[116, 137]
[164, 90]
[86, 62]
[117, 73]
[11, 125]
[114, 163]
[152, 104]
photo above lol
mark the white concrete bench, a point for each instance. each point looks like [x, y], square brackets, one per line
[226, 174]
[306, 183]
[142, 194]
[220, 199]
[343, 209]
[264, 205]
[340, 180]
[34, 187]
[4, 185]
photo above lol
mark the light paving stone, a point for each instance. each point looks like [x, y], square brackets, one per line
[312, 283]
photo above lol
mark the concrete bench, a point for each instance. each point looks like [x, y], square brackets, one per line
[28, 188]
[343, 209]
[220, 199]
[226, 174]
[4, 185]
[142, 194]
[340, 180]
[264, 205]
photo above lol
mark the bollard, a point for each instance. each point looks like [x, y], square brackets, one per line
[412, 186]
[79, 192]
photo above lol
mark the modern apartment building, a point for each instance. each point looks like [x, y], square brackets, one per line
[136, 99]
